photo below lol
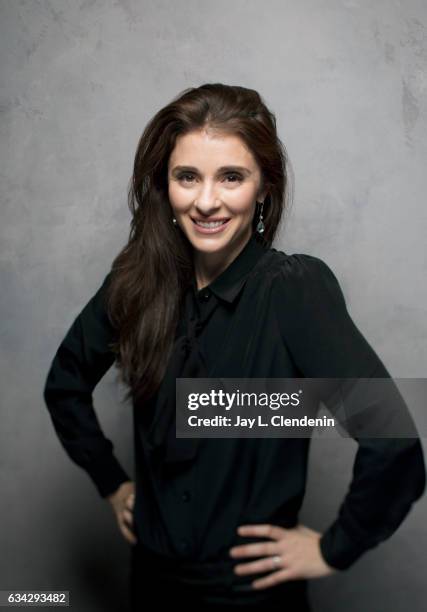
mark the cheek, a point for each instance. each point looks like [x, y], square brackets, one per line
[241, 201]
[177, 197]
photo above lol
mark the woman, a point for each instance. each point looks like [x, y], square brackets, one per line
[198, 291]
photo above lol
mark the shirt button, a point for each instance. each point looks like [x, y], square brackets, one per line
[186, 496]
[205, 295]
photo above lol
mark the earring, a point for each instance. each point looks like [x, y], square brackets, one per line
[174, 221]
[260, 225]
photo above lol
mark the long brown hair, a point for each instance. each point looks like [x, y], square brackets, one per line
[150, 275]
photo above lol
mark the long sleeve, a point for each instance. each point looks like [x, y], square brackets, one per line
[81, 360]
[388, 473]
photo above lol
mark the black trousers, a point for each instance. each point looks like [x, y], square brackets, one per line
[159, 584]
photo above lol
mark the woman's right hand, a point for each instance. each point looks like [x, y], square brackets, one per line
[122, 502]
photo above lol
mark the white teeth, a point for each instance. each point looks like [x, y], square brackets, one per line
[211, 223]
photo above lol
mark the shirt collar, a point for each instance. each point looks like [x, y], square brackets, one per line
[229, 283]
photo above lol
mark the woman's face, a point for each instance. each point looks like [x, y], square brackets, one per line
[213, 178]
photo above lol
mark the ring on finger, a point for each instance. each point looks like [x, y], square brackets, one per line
[276, 560]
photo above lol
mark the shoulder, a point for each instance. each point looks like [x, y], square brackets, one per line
[95, 315]
[315, 323]
[304, 292]
[303, 278]
[98, 301]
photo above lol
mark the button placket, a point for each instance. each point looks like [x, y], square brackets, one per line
[204, 295]
[186, 496]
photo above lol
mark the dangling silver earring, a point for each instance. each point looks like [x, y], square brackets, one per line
[174, 221]
[260, 225]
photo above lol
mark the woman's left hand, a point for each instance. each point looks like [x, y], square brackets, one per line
[291, 554]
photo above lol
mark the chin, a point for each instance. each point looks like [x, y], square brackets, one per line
[209, 246]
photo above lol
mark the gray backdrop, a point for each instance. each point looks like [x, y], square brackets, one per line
[79, 80]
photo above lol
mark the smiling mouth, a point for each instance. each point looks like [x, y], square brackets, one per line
[210, 224]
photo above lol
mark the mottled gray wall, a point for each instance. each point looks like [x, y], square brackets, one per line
[79, 80]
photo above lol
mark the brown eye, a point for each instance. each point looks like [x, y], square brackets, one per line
[185, 175]
[238, 178]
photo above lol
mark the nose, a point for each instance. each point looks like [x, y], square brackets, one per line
[207, 201]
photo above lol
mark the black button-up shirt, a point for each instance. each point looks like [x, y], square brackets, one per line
[267, 315]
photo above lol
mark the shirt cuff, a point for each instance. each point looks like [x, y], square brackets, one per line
[338, 549]
[107, 474]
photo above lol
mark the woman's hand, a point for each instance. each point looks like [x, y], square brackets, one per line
[122, 501]
[291, 554]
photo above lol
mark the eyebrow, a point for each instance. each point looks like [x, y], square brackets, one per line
[221, 169]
